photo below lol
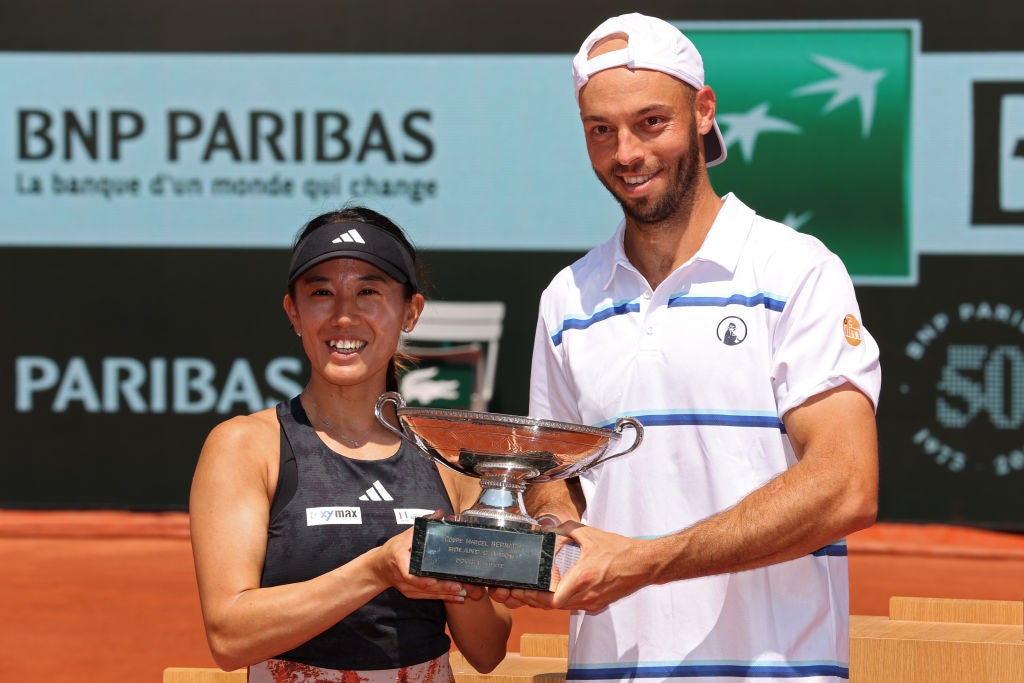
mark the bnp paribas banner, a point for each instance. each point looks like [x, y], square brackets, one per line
[475, 152]
[843, 130]
[170, 150]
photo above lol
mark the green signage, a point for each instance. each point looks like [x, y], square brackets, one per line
[817, 124]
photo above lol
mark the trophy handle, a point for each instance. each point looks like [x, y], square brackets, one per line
[620, 424]
[399, 402]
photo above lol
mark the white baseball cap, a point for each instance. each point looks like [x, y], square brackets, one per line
[651, 44]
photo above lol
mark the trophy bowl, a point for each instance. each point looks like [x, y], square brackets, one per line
[507, 453]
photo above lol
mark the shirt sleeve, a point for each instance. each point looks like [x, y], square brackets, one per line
[820, 341]
[552, 393]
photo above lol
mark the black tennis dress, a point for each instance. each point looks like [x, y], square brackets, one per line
[329, 509]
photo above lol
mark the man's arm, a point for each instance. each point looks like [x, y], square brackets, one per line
[555, 502]
[831, 492]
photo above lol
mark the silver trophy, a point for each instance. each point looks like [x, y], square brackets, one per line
[496, 541]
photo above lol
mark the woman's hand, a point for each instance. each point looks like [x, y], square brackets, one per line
[393, 568]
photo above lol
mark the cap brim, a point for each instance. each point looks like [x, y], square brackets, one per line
[714, 146]
[389, 269]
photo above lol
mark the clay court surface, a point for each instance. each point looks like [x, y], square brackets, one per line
[110, 597]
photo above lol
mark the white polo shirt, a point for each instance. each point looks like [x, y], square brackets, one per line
[758, 321]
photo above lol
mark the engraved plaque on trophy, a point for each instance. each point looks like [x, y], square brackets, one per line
[496, 542]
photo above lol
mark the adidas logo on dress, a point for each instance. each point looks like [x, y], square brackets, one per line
[376, 493]
[350, 236]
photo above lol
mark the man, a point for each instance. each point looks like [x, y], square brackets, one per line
[715, 551]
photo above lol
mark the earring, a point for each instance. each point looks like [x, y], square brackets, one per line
[297, 333]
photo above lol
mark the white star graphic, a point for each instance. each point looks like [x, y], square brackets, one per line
[851, 82]
[797, 221]
[744, 128]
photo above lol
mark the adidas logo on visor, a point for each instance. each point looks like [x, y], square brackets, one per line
[350, 236]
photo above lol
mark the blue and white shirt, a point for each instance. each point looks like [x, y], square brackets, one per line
[758, 321]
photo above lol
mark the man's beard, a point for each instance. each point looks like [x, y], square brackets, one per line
[677, 200]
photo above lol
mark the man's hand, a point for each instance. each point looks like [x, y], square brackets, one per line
[610, 567]
[514, 598]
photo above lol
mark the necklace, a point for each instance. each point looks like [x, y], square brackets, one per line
[330, 429]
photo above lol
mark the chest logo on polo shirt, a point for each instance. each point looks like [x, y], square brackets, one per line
[732, 331]
[851, 330]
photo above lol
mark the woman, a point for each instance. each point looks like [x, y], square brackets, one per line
[296, 511]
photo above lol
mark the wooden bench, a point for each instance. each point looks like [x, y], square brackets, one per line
[541, 659]
[923, 640]
[939, 640]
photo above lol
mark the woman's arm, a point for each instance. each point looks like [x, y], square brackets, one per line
[479, 626]
[480, 629]
[229, 509]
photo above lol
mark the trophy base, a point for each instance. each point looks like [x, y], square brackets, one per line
[487, 555]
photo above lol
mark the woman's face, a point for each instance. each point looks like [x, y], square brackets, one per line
[350, 315]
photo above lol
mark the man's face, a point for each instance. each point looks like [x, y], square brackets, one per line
[643, 140]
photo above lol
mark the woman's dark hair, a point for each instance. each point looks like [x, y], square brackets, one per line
[400, 361]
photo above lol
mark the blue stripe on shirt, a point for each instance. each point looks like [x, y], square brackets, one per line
[770, 302]
[706, 418]
[834, 550]
[622, 308]
[710, 669]
[759, 299]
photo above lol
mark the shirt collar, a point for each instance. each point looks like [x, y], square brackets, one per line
[722, 246]
[728, 234]
[618, 254]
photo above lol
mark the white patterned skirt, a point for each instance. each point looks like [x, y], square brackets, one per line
[282, 671]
